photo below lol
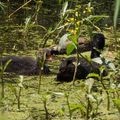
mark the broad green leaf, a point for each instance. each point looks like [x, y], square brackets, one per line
[93, 75]
[73, 38]
[70, 48]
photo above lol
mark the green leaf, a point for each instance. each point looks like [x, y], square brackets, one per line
[65, 5]
[13, 89]
[73, 38]
[2, 6]
[116, 12]
[102, 69]
[70, 48]
[117, 103]
[7, 63]
[93, 75]
[95, 18]
[75, 107]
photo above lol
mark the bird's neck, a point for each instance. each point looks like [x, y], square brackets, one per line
[95, 53]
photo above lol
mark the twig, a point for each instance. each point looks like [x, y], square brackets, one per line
[19, 8]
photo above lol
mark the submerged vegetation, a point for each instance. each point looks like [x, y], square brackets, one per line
[29, 26]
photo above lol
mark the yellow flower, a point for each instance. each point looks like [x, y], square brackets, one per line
[78, 22]
[76, 28]
[71, 19]
[76, 13]
[72, 31]
[69, 30]
[89, 10]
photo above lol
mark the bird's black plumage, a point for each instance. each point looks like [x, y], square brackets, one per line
[23, 65]
[98, 43]
[66, 70]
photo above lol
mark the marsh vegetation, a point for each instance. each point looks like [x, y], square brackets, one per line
[29, 26]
